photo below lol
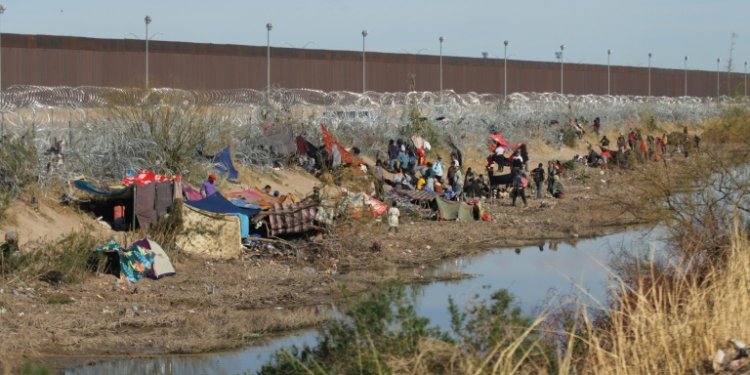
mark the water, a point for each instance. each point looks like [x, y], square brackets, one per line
[531, 275]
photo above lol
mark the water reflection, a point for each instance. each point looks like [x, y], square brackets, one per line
[249, 360]
[531, 273]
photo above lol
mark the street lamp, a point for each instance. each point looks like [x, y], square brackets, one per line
[686, 75]
[441, 39]
[718, 60]
[2, 115]
[269, 26]
[147, 20]
[745, 77]
[364, 35]
[562, 62]
[649, 74]
[505, 69]
[609, 92]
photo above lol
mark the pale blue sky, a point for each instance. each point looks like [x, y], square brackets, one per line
[670, 29]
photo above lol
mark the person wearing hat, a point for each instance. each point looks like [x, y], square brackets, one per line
[208, 188]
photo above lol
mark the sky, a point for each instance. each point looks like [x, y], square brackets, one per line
[535, 29]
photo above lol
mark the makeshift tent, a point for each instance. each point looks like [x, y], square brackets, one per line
[346, 156]
[205, 234]
[217, 204]
[146, 196]
[114, 206]
[457, 210]
[223, 163]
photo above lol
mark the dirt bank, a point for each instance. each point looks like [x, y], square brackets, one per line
[211, 306]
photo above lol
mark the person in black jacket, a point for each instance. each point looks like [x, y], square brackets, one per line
[538, 175]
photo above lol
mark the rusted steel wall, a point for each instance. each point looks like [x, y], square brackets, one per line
[73, 61]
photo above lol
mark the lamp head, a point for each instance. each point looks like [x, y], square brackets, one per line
[364, 33]
[505, 43]
[2, 8]
[269, 26]
[441, 39]
[147, 20]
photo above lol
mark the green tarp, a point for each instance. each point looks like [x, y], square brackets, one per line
[455, 210]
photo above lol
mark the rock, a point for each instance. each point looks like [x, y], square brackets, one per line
[308, 270]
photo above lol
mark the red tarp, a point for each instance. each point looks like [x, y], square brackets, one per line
[499, 139]
[145, 177]
[346, 156]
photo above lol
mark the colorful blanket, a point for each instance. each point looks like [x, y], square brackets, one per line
[135, 261]
[289, 218]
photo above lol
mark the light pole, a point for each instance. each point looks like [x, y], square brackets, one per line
[649, 74]
[364, 35]
[562, 62]
[609, 92]
[2, 115]
[269, 26]
[745, 77]
[686, 75]
[441, 39]
[718, 60]
[505, 69]
[147, 20]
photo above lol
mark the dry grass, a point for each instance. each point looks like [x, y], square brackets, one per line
[672, 328]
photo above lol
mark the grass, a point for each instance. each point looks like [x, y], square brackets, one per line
[68, 260]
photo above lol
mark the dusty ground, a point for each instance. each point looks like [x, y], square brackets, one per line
[215, 305]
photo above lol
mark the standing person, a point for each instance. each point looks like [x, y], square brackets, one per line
[525, 156]
[458, 186]
[379, 174]
[538, 175]
[392, 154]
[597, 126]
[208, 188]
[519, 187]
[439, 169]
[393, 214]
[551, 173]
[621, 144]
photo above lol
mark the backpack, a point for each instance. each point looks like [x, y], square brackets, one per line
[524, 182]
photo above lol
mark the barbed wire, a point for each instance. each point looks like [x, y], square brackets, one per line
[102, 145]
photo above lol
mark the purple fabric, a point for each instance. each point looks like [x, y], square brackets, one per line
[144, 205]
[163, 198]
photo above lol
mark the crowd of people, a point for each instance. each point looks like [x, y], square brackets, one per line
[411, 170]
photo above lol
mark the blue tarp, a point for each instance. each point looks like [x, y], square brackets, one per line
[89, 188]
[216, 203]
[223, 163]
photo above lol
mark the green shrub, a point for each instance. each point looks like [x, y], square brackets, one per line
[68, 260]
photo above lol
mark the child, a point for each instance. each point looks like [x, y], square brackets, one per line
[393, 214]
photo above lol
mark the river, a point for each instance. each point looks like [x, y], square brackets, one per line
[532, 274]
